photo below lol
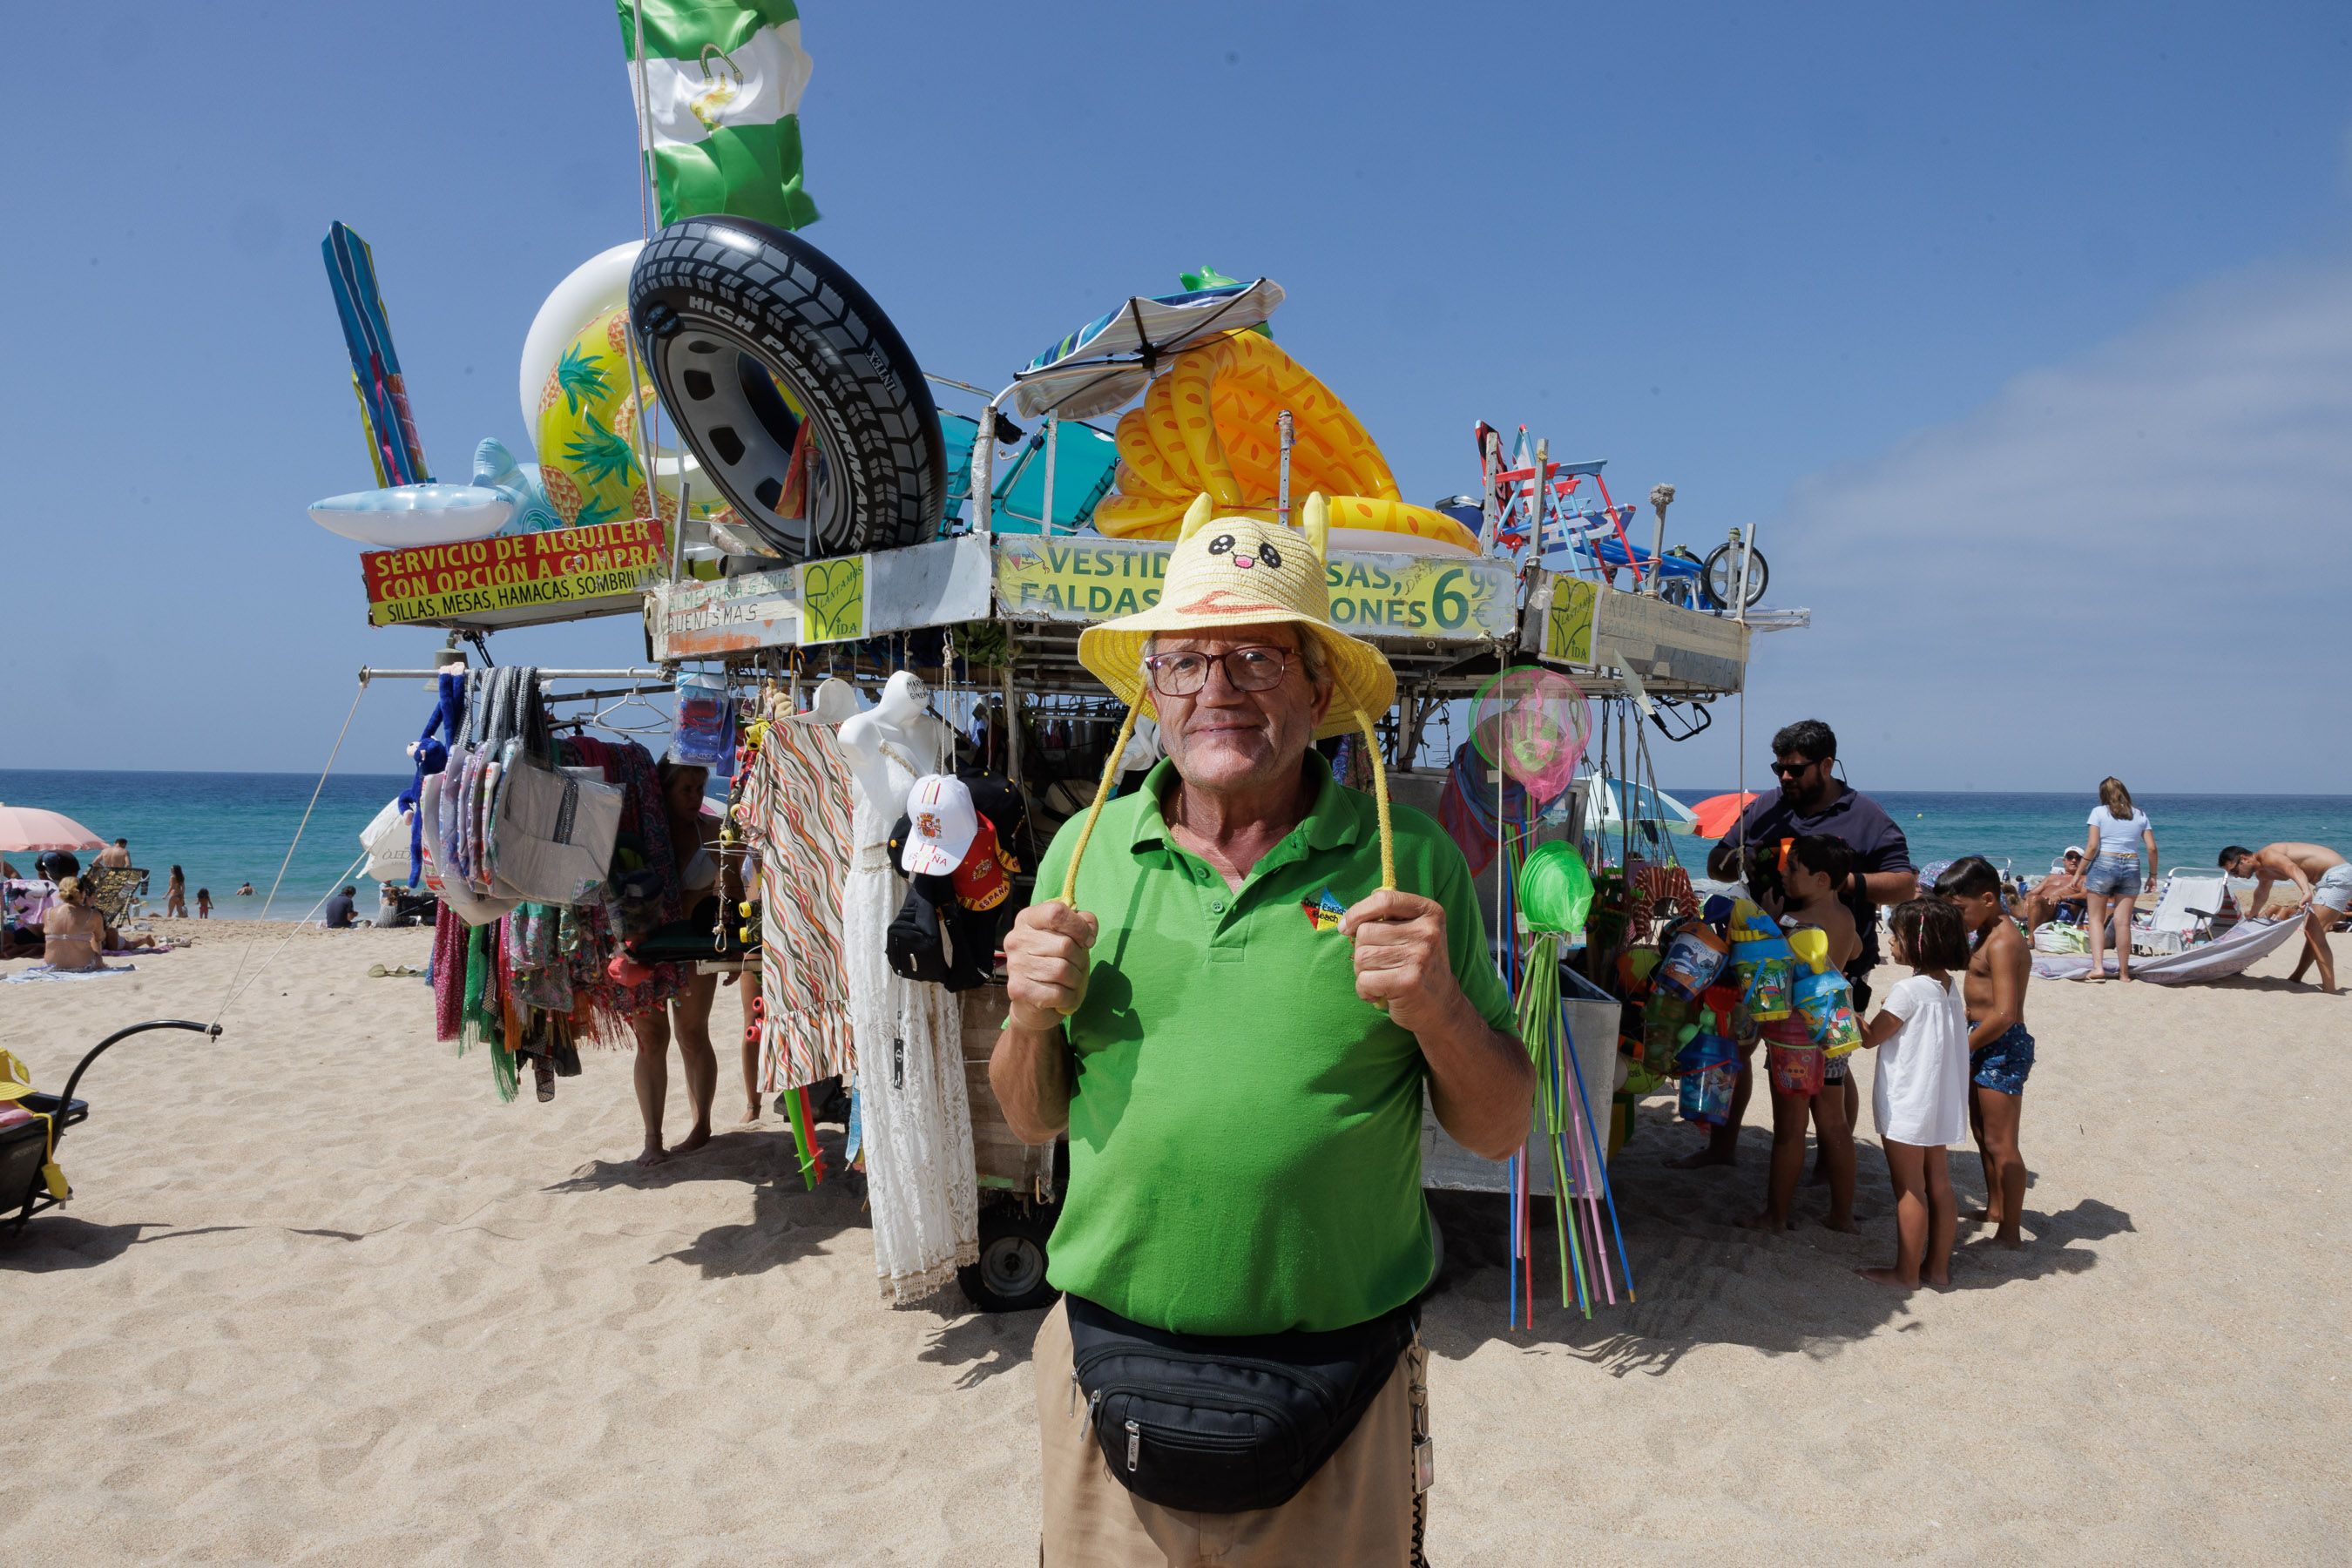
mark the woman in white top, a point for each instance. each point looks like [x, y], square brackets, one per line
[2115, 876]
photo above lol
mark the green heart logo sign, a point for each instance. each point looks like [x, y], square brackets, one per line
[832, 600]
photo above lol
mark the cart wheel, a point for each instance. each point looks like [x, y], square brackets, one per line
[749, 331]
[1011, 1274]
[1722, 570]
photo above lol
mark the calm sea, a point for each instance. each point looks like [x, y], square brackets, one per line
[2030, 831]
[230, 828]
[223, 829]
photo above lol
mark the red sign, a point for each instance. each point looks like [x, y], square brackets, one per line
[519, 575]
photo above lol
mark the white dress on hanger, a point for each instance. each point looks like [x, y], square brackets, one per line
[911, 1102]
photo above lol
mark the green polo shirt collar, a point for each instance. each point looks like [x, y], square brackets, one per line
[1335, 819]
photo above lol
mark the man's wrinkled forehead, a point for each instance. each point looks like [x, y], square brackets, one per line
[1278, 634]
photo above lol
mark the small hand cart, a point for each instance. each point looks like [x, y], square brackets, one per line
[26, 1147]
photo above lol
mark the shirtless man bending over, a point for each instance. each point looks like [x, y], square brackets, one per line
[2323, 877]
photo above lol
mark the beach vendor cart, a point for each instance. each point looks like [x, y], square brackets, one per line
[1032, 532]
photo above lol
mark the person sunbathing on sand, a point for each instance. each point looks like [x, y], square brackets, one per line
[2319, 874]
[73, 934]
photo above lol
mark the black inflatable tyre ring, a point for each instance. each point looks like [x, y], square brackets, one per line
[725, 311]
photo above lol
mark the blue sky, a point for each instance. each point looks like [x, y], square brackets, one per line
[2024, 333]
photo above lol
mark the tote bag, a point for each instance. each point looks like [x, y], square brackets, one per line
[475, 908]
[551, 832]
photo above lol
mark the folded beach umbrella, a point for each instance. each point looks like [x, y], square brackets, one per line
[30, 828]
[1104, 364]
[1718, 814]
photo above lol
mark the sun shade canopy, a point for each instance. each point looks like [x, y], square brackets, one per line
[1106, 363]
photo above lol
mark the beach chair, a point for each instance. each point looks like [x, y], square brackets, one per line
[2184, 911]
[113, 890]
[1086, 461]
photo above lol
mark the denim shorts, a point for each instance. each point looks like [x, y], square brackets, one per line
[2113, 876]
[2004, 1065]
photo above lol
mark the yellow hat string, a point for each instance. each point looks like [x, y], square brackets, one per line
[1102, 793]
[1380, 801]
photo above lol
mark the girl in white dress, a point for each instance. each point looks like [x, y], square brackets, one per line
[1920, 1097]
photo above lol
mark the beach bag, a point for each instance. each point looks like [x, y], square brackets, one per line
[1226, 1425]
[385, 839]
[552, 833]
[475, 908]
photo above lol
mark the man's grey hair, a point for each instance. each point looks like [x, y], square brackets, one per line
[1313, 657]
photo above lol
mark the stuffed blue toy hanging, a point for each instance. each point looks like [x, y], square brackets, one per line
[431, 756]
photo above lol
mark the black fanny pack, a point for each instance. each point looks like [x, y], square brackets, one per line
[1225, 1426]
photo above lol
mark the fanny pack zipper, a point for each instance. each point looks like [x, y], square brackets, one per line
[1271, 1368]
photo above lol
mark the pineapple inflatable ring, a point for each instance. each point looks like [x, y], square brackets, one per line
[1207, 427]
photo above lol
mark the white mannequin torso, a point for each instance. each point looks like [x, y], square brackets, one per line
[896, 733]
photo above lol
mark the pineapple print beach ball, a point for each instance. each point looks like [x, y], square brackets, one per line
[585, 458]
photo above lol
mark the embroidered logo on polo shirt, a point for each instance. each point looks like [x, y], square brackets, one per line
[1323, 911]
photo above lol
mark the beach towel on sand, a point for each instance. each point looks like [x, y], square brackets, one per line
[51, 971]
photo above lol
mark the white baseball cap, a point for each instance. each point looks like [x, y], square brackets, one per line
[940, 825]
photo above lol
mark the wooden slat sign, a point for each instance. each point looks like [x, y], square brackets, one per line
[734, 614]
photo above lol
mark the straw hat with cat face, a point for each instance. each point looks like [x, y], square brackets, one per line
[1239, 572]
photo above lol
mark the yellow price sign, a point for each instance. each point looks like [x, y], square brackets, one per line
[1568, 629]
[832, 600]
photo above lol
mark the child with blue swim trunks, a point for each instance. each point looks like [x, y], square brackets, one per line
[2001, 1051]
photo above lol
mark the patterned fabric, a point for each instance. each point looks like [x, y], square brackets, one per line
[797, 810]
[643, 892]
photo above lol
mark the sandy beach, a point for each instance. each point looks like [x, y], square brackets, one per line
[319, 1298]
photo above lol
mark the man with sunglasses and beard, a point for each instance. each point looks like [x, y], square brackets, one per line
[1812, 799]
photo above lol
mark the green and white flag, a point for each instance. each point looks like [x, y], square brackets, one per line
[722, 82]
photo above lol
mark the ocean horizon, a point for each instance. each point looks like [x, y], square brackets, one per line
[226, 829]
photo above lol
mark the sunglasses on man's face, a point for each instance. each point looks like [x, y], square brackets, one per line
[1790, 770]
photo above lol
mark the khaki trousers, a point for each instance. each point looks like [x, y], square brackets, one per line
[1359, 1510]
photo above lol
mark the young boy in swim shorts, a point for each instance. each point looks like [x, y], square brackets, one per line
[1793, 881]
[2001, 1051]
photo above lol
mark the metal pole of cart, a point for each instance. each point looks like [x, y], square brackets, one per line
[1661, 497]
[1282, 428]
[1053, 433]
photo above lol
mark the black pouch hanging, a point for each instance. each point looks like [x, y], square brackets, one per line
[1225, 1425]
[912, 944]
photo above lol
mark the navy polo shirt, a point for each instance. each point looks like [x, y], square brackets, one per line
[1859, 822]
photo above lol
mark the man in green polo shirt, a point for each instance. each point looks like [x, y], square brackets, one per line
[1234, 1023]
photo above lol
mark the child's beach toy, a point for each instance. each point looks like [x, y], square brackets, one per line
[1208, 424]
[1665, 1024]
[1691, 960]
[1554, 890]
[1635, 967]
[1825, 998]
[1762, 959]
[1796, 1064]
[1709, 1065]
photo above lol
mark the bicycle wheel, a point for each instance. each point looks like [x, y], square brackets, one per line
[1723, 571]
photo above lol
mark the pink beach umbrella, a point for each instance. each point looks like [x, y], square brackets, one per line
[28, 828]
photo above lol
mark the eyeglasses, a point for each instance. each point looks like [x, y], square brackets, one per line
[1790, 770]
[1246, 669]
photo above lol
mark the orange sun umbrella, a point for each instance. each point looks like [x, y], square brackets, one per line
[26, 827]
[1717, 813]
